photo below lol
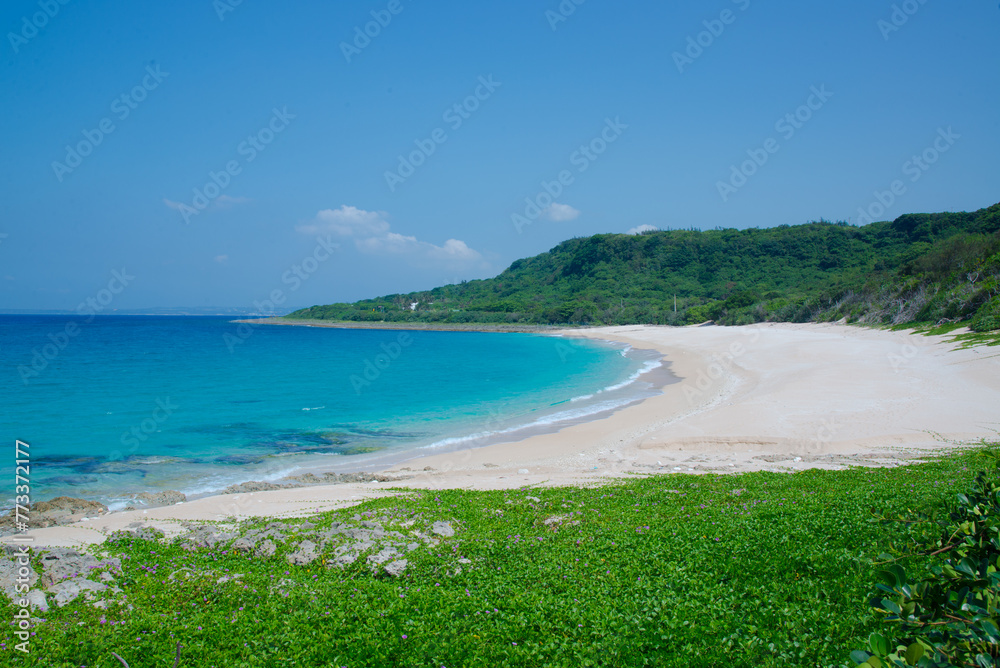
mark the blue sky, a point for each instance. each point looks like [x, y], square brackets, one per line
[300, 120]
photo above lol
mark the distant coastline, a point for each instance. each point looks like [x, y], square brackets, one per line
[420, 326]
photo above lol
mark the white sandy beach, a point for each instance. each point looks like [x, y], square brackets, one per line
[773, 396]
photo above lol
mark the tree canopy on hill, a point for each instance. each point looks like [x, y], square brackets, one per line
[917, 268]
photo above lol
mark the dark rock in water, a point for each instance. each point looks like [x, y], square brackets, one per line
[83, 464]
[121, 467]
[309, 444]
[72, 480]
[241, 459]
[154, 499]
[360, 449]
[60, 510]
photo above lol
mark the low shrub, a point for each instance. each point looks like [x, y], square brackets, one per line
[946, 614]
[987, 317]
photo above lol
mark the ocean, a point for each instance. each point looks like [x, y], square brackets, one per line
[127, 404]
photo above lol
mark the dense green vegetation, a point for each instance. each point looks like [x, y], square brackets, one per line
[754, 569]
[917, 268]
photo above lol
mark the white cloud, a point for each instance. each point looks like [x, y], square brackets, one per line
[560, 212]
[222, 259]
[372, 234]
[454, 249]
[347, 221]
[388, 243]
[643, 228]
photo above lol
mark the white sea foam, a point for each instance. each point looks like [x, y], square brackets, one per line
[570, 415]
[216, 483]
[546, 421]
[114, 505]
[650, 365]
[646, 368]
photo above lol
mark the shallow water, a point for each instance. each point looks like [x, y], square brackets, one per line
[133, 404]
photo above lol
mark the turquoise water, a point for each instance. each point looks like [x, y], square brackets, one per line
[131, 404]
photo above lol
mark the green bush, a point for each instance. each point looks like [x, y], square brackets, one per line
[699, 314]
[948, 615]
[987, 317]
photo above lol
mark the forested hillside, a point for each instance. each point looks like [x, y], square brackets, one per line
[917, 268]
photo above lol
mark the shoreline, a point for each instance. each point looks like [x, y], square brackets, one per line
[782, 397]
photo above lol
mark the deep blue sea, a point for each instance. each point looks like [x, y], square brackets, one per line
[126, 404]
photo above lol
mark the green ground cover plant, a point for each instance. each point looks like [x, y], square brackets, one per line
[752, 569]
[963, 338]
